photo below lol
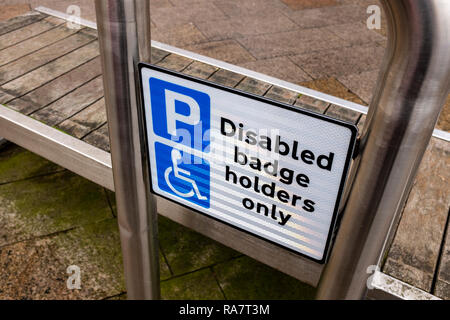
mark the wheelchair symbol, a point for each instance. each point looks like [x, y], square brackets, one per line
[181, 174]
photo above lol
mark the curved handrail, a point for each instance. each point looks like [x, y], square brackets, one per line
[412, 86]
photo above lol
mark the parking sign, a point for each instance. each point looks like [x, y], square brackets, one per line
[266, 168]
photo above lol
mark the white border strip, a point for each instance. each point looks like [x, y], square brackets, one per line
[65, 16]
[262, 77]
[398, 289]
[444, 135]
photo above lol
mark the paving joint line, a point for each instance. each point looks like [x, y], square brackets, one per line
[166, 260]
[440, 254]
[91, 131]
[33, 177]
[31, 52]
[29, 13]
[218, 283]
[89, 105]
[42, 85]
[66, 94]
[109, 202]
[52, 60]
[202, 268]
[36, 35]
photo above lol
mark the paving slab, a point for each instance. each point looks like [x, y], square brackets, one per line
[72, 103]
[187, 251]
[32, 272]
[180, 15]
[86, 121]
[415, 250]
[32, 30]
[312, 104]
[5, 97]
[17, 164]
[32, 44]
[180, 35]
[43, 56]
[162, 3]
[356, 33]
[442, 286]
[344, 114]
[37, 269]
[251, 24]
[226, 50]
[336, 63]
[444, 119]
[361, 84]
[52, 70]
[326, 16]
[200, 70]
[253, 86]
[242, 8]
[226, 78]
[200, 285]
[244, 278]
[11, 11]
[19, 22]
[157, 54]
[48, 204]
[99, 138]
[282, 95]
[56, 88]
[333, 87]
[290, 43]
[308, 4]
[174, 62]
[280, 67]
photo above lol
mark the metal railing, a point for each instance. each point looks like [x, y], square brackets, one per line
[124, 38]
[411, 89]
[412, 86]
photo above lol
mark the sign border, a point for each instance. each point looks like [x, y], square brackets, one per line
[344, 177]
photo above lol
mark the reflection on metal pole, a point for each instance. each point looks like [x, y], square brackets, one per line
[124, 37]
[411, 89]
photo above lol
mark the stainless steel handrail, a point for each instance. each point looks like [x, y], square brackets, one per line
[124, 37]
[411, 89]
[410, 93]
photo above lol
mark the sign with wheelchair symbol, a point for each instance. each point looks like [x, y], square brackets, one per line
[182, 174]
[268, 169]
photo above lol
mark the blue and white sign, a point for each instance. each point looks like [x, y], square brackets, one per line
[269, 169]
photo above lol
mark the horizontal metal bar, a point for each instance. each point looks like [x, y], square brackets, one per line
[386, 287]
[65, 16]
[440, 134]
[75, 155]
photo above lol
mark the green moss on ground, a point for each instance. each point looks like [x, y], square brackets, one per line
[17, 163]
[187, 250]
[245, 278]
[200, 285]
[49, 204]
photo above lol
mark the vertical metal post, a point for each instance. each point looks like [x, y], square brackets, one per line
[124, 37]
[411, 89]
